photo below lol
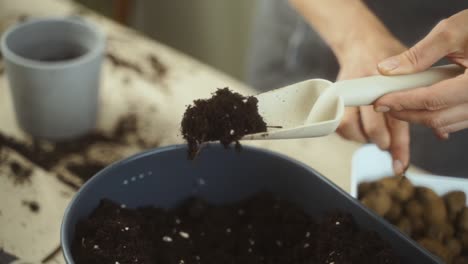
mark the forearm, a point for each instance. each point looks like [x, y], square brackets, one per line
[343, 23]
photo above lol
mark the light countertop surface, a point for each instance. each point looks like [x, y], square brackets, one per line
[132, 83]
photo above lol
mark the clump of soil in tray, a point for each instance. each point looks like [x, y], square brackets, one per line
[262, 229]
[227, 116]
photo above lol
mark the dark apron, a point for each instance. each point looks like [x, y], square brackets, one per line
[286, 50]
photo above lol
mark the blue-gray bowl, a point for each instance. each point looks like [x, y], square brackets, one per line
[163, 177]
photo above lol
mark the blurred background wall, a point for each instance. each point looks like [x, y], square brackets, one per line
[216, 32]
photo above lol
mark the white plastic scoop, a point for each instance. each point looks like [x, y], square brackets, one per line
[315, 107]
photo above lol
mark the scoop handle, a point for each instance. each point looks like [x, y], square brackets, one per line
[364, 91]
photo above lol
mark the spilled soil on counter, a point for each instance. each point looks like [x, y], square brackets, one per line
[49, 155]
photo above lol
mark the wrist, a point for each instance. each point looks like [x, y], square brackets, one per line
[367, 45]
[349, 28]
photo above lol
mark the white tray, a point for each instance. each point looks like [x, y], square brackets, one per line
[370, 164]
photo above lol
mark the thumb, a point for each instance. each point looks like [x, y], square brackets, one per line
[421, 56]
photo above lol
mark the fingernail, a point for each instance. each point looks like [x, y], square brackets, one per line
[389, 64]
[382, 109]
[398, 167]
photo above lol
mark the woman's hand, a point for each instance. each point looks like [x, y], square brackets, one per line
[358, 50]
[363, 124]
[444, 105]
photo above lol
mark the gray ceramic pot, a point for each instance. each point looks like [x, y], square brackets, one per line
[53, 67]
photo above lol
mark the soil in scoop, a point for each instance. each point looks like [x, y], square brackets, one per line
[262, 229]
[226, 116]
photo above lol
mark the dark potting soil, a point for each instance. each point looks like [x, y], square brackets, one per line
[157, 71]
[86, 170]
[47, 155]
[32, 205]
[20, 173]
[226, 116]
[262, 229]
[120, 62]
[159, 68]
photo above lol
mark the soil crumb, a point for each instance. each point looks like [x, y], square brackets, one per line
[20, 173]
[23, 18]
[32, 205]
[160, 69]
[120, 62]
[227, 116]
[261, 229]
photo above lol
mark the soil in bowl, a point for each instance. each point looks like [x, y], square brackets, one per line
[261, 229]
[226, 116]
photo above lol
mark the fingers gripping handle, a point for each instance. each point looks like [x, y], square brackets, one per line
[365, 91]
